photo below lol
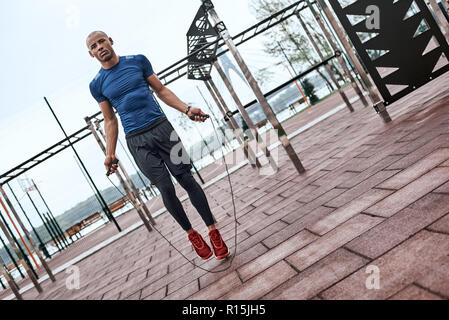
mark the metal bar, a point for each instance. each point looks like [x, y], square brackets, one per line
[110, 216]
[52, 218]
[134, 190]
[28, 236]
[26, 216]
[119, 176]
[44, 223]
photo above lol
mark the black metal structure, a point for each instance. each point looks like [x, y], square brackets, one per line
[179, 68]
[405, 53]
[200, 35]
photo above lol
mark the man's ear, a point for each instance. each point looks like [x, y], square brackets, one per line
[111, 41]
[90, 53]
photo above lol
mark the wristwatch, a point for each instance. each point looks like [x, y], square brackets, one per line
[187, 110]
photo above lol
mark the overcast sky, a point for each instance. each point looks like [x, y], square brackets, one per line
[44, 54]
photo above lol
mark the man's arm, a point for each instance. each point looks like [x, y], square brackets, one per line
[111, 131]
[170, 99]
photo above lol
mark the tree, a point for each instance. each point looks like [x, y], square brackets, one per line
[295, 44]
[309, 91]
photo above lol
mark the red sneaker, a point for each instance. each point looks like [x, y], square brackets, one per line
[220, 249]
[201, 247]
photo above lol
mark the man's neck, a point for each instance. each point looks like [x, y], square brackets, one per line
[110, 63]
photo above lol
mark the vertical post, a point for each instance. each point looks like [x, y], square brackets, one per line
[328, 68]
[222, 106]
[21, 259]
[245, 116]
[119, 176]
[11, 282]
[221, 28]
[50, 233]
[52, 218]
[440, 18]
[225, 138]
[375, 98]
[137, 170]
[95, 194]
[108, 212]
[26, 216]
[27, 235]
[334, 47]
[131, 183]
[11, 257]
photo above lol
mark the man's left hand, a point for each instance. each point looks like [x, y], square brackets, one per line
[195, 112]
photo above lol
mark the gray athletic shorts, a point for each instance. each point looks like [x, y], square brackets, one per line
[156, 148]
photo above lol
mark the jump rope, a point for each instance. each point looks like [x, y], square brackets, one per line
[233, 205]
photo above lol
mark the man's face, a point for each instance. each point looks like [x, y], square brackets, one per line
[100, 47]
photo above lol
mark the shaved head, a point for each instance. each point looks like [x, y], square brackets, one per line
[94, 33]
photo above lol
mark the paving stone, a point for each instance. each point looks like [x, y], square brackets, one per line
[276, 254]
[158, 295]
[422, 151]
[219, 288]
[305, 209]
[418, 169]
[346, 212]
[442, 225]
[398, 268]
[320, 276]
[331, 241]
[412, 292]
[410, 193]
[263, 283]
[437, 279]
[443, 189]
[183, 292]
[401, 226]
[299, 225]
[361, 188]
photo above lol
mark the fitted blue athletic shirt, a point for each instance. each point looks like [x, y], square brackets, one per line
[125, 87]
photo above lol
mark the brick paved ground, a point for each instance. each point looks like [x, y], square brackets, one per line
[373, 194]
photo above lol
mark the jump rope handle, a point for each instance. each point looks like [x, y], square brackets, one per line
[199, 115]
[110, 167]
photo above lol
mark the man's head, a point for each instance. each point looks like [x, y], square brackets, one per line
[100, 46]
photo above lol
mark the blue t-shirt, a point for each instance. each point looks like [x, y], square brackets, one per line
[125, 87]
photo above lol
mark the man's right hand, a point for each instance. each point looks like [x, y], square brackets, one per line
[108, 163]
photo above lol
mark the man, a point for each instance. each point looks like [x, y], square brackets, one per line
[122, 83]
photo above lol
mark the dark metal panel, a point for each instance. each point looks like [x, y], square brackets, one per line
[400, 41]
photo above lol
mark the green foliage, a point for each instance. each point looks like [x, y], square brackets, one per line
[309, 91]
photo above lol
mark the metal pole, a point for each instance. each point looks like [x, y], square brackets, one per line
[225, 138]
[108, 212]
[375, 98]
[12, 284]
[232, 123]
[334, 47]
[245, 116]
[119, 176]
[93, 190]
[134, 166]
[26, 216]
[11, 242]
[220, 27]
[328, 68]
[52, 217]
[134, 190]
[11, 257]
[221, 104]
[17, 247]
[440, 18]
[52, 228]
[50, 233]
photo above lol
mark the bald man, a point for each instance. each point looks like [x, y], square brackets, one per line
[123, 84]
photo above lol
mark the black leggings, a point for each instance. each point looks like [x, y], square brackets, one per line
[196, 195]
